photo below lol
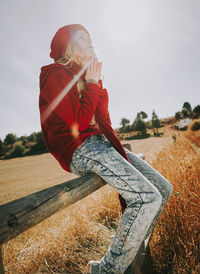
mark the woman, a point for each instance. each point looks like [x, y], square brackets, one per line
[77, 131]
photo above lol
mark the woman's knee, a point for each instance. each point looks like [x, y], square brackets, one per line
[152, 196]
[159, 181]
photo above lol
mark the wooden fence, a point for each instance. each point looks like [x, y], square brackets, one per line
[19, 215]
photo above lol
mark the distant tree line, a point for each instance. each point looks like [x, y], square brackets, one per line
[12, 146]
[141, 125]
[188, 112]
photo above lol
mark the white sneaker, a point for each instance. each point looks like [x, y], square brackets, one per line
[93, 267]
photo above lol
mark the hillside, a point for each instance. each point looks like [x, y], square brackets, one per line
[66, 241]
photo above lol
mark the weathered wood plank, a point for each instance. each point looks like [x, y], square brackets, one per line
[19, 215]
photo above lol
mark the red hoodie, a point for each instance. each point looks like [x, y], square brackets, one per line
[68, 125]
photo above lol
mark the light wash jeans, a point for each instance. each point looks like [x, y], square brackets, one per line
[144, 189]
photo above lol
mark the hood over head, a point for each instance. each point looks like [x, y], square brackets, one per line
[61, 39]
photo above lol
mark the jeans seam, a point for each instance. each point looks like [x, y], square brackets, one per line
[142, 202]
[129, 227]
[112, 173]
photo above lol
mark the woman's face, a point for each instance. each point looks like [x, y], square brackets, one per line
[82, 47]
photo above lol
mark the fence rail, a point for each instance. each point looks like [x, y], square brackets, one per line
[19, 215]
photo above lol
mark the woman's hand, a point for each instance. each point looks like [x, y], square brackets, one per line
[93, 72]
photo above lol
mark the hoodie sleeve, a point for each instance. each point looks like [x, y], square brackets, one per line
[70, 109]
[87, 106]
[102, 113]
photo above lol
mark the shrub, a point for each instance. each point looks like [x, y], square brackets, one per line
[24, 140]
[1, 147]
[196, 112]
[155, 121]
[139, 125]
[195, 125]
[178, 115]
[185, 112]
[149, 125]
[125, 125]
[187, 106]
[32, 137]
[10, 139]
[39, 147]
[18, 151]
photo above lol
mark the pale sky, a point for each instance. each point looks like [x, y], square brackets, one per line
[150, 51]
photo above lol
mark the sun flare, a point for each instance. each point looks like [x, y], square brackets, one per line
[75, 131]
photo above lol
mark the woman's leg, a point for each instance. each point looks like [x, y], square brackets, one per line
[142, 198]
[161, 183]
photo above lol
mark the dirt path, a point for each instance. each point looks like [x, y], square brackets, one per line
[149, 147]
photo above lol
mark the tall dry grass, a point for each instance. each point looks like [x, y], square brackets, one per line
[175, 245]
[65, 242]
[193, 136]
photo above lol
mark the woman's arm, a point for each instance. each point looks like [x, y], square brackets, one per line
[102, 113]
[87, 106]
[92, 78]
[71, 110]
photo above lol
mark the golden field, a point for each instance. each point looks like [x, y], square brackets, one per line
[66, 241]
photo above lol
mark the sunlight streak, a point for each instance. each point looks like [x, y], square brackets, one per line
[59, 98]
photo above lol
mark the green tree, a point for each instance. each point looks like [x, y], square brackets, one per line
[187, 106]
[32, 137]
[39, 146]
[125, 124]
[39, 141]
[185, 112]
[23, 139]
[10, 139]
[196, 112]
[1, 147]
[178, 115]
[196, 125]
[155, 121]
[142, 114]
[17, 151]
[139, 125]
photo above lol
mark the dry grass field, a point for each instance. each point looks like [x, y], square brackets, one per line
[176, 240]
[66, 241]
